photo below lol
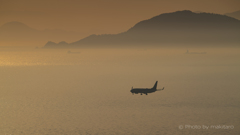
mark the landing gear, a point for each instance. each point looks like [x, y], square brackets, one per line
[141, 93]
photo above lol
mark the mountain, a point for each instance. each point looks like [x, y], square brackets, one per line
[16, 27]
[19, 34]
[183, 28]
[235, 14]
[17, 31]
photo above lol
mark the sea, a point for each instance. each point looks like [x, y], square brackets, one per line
[87, 91]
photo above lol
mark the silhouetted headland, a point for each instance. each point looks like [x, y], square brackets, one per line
[21, 34]
[181, 28]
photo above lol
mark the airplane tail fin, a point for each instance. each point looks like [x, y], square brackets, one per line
[155, 85]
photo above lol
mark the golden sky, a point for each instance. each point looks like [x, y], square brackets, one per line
[100, 16]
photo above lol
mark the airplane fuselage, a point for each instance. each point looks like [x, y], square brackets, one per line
[144, 91]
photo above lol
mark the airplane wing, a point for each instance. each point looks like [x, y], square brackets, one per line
[160, 89]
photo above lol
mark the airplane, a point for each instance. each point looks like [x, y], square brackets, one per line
[146, 90]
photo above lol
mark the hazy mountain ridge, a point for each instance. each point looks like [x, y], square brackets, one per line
[15, 26]
[181, 27]
[15, 33]
[182, 19]
[235, 14]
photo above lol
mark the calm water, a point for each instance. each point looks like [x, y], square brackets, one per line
[52, 92]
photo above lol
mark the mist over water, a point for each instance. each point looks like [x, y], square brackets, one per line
[51, 91]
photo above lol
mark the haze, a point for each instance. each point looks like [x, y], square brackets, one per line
[100, 17]
[82, 86]
[50, 91]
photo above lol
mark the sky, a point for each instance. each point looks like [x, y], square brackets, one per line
[100, 16]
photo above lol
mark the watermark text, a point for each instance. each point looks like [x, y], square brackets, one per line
[205, 127]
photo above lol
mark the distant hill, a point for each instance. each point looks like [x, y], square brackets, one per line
[235, 14]
[19, 34]
[16, 27]
[183, 28]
